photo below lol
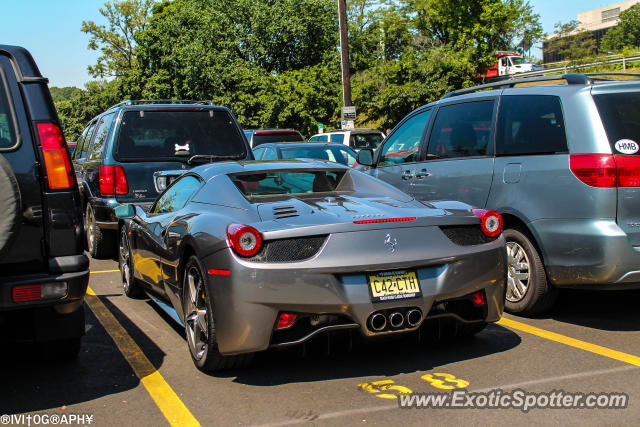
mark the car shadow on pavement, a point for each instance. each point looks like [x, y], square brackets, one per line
[30, 384]
[369, 358]
[604, 310]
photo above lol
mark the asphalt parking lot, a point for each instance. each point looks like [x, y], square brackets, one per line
[134, 369]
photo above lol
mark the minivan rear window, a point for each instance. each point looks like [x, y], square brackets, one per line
[7, 130]
[178, 135]
[620, 114]
[529, 125]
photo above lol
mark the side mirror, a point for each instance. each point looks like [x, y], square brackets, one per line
[125, 211]
[365, 157]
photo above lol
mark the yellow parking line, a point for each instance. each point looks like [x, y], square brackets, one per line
[582, 345]
[166, 399]
[103, 271]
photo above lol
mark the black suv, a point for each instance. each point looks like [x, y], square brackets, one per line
[43, 270]
[120, 150]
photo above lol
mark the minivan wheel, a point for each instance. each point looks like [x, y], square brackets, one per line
[528, 291]
[200, 329]
[100, 243]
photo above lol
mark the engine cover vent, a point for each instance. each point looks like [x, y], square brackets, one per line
[288, 211]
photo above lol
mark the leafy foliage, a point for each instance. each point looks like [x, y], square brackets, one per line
[275, 63]
[625, 34]
[116, 42]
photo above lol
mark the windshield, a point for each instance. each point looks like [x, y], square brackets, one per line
[179, 135]
[365, 140]
[340, 155]
[620, 113]
[275, 183]
[517, 60]
[271, 136]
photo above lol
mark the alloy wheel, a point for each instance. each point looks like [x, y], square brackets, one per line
[519, 272]
[196, 314]
[125, 258]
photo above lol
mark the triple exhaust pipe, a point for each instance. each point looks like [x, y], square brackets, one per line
[395, 319]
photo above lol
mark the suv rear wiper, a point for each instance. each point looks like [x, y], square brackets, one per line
[208, 158]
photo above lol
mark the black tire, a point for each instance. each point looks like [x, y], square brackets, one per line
[130, 285]
[100, 243]
[61, 350]
[10, 206]
[539, 295]
[202, 343]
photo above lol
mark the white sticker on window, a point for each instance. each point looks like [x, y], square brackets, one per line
[627, 146]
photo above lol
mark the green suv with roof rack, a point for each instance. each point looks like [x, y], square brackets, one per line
[120, 150]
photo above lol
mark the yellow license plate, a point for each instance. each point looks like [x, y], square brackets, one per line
[394, 285]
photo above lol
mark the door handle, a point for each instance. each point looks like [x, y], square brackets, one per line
[423, 173]
[407, 174]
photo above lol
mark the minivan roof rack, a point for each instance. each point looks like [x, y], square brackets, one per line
[161, 101]
[571, 78]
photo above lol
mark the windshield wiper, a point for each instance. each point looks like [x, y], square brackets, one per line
[208, 158]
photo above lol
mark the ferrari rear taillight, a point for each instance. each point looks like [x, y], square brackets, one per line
[490, 221]
[606, 170]
[286, 320]
[113, 180]
[56, 158]
[244, 239]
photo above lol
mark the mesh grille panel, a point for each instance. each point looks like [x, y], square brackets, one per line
[466, 235]
[289, 250]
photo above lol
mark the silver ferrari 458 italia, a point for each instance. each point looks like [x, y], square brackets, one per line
[253, 255]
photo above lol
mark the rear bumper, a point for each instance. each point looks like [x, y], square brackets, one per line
[72, 270]
[594, 254]
[248, 300]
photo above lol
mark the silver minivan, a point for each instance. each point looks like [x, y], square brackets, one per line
[560, 162]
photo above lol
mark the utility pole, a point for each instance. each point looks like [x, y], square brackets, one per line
[344, 53]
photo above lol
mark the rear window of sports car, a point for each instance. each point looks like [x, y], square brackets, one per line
[277, 183]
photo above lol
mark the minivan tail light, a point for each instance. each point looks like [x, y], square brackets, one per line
[595, 170]
[56, 157]
[628, 170]
[606, 170]
[113, 180]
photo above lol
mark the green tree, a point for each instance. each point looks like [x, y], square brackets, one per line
[573, 44]
[625, 34]
[76, 111]
[481, 27]
[116, 40]
[63, 93]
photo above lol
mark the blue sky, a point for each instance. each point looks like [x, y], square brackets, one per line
[50, 29]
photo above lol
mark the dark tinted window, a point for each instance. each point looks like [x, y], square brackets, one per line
[461, 130]
[274, 136]
[365, 140]
[177, 196]
[101, 136]
[171, 135]
[620, 113]
[403, 145]
[8, 137]
[269, 154]
[83, 144]
[530, 124]
[284, 182]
